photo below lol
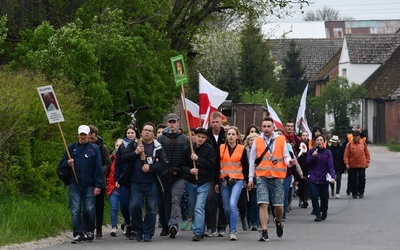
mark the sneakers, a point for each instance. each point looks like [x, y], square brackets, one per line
[221, 233]
[148, 238]
[324, 215]
[90, 236]
[99, 234]
[279, 228]
[348, 192]
[77, 239]
[337, 196]
[254, 228]
[173, 232]
[317, 219]
[244, 224]
[184, 225]
[113, 232]
[332, 192]
[232, 236]
[264, 236]
[196, 238]
[128, 232]
[361, 196]
[355, 196]
[210, 233]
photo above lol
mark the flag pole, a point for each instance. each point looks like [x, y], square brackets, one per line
[187, 124]
[66, 149]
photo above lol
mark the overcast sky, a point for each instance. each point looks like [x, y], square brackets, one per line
[358, 9]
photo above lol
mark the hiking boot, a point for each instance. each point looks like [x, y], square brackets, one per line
[173, 232]
[279, 228]
[77, 239]
[264, 236]
[90, 236]
[113, 232]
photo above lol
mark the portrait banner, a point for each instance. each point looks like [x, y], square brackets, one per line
[179, 69]
[50, 104]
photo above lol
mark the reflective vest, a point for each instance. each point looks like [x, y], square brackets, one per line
[231, 166]
[266, 168]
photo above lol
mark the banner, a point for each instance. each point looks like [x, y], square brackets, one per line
[274, 116]
[50, 104]
[210, 97]
[301, 121]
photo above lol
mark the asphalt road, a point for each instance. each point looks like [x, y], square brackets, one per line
[368, 223]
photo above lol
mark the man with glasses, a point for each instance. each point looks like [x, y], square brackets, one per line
[173, 142]
[86, 159]
[146, 160]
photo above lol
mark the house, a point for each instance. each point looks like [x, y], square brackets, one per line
[338, 29]
[383, 101]
[361, 55]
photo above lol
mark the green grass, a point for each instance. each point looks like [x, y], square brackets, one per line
[24, 220]
[394, 147]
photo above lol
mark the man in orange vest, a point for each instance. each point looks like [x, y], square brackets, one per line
[269, 159]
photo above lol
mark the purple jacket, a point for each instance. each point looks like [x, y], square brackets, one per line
[320, 165]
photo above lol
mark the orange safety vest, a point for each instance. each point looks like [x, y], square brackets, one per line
[231, 166]
[266, 168]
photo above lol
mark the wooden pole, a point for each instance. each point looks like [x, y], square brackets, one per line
[188, 125]
[66, 149]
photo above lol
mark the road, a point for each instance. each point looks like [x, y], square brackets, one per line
[353, 224]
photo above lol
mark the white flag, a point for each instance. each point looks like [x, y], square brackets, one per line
[301, 121]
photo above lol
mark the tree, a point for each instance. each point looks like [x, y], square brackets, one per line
[257, 66]
[342, 100]
[325, 14]
[3, 32]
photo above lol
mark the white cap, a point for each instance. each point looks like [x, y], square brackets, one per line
[83, 129]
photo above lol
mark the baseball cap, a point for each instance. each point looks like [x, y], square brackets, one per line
[172, 117]
[83, 129]
[200, 130]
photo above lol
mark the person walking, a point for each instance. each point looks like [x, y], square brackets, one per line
[199, 178]
[338, 163]
[146, 160]
[273, 158]
[173, 141]
[320, 173]
[357, 159]
[112, 191]
[304, 191]
[86, 159]
[94, 138]
[233, 173]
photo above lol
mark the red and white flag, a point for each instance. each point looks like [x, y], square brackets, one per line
[274, 116]
[210, 97]
[193, 113]
[301, 121]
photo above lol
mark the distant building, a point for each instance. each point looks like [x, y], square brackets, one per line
[338, 29]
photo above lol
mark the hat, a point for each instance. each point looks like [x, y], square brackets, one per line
[356, 133]
[334, 138]
[83, 129]
[200, 130]
[172, 117]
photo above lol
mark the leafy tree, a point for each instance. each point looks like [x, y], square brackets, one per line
[257, 68]
[325, 14]
[3, 32]
[342, 100]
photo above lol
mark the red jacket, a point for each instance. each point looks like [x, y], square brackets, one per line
[110, 175]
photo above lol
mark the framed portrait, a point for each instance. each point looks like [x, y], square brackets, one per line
[179, 69]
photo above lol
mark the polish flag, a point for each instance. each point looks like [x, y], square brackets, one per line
[210, 97]
[301, 121]
[274, 116]
[193, 113]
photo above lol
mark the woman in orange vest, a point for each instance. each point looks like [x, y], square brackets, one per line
[233, 175]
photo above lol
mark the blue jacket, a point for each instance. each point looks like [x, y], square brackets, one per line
[319, 166]
[87, 163]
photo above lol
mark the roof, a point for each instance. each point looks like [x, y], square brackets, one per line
[328, 68]
[314, 53]
[371, 48]
[384, 83]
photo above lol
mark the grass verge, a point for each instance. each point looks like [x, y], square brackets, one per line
[394, 147]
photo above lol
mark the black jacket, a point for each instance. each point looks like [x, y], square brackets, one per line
[205, 163]
[338, 161]
[211, 140]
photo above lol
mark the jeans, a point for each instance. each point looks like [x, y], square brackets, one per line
[338, 182]
[172, 200]
[286, 183]
[321, 191]
[230, 196]
[144, 193]
[124, 199]
[197, 200]
[114, 205]
[82, 197]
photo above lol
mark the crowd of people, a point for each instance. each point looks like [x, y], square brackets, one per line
[214, 177]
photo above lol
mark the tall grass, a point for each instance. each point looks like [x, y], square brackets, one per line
[23, 220]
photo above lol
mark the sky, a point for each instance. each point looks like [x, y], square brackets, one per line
[294, 26]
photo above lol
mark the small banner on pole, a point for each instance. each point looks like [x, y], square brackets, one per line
[50, 104]
[179, 69]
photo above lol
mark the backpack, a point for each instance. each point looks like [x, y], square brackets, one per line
[65, 173]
